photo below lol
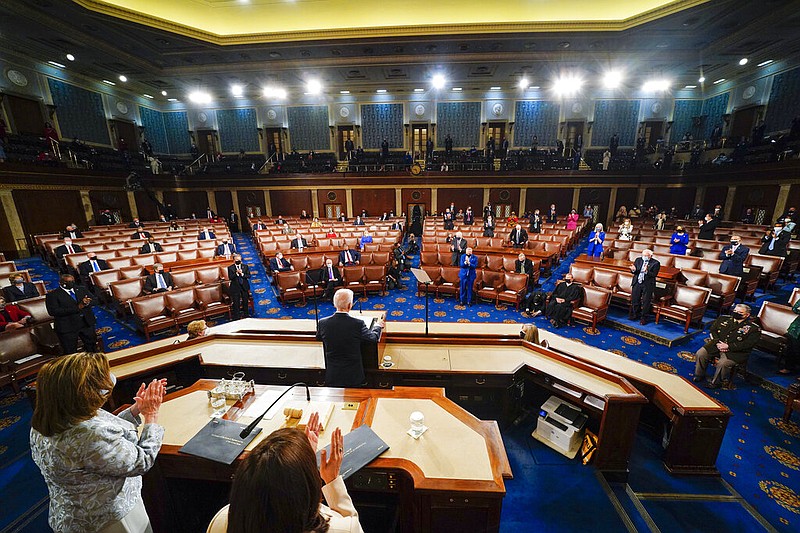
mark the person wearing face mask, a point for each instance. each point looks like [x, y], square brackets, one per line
[775, 241]
[488, 226]
[92, 264]
[19, 289]
[71, 307]
[72, 232]
[732, 339]
[226, 249]
[535, 222]
[330, 279]
[151, 247]
[596, 239]
[679, 241]
[239, 289]
[466, 275]
[158, 281]
[733, 256]
[67, 248]
[707, 228]
[559, 308]
[645, 271]
[530, 333]
[12, 317]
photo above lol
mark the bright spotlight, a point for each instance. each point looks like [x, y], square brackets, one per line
[237, 90]
[701, 79]
[438, 81]
[70, 57]
[123, 78]
[199, 97]
[274, 92]
[313, 87]
[743, 61]
[567, 85]
[163, 93]
[652, 86]
[524, 83]
[612, 80]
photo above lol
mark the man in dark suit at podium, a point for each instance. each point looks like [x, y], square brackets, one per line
[645, 271]
[239, 290]
[71, 306]
[341, 337]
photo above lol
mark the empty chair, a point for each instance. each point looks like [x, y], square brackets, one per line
[605, 279]
[723, 291]
[375, 279]
[353, 279]
[315, 261]
[379, 258]
[144, 259]
[449, 283]
[445, 258]
[183, 279]
[594, 307]
[290, 286]
[182, 306]
[207, 275]
[103, 278]
[206, 253]
[433, 272]
[686, 304]
[123, 292]
[685, 261]
[212, 301]
[150, 314]
[770, 268]
[695, 278]
[581, 274]
[490, 285]
[21, 356]
[299, 262]
[621, 293]
[514, 288]
[119, 262]
[775, 320]
[167, 257]
[37, 308]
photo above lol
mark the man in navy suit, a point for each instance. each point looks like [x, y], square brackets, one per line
[239, 289]
[259, 225]
[66, 248]
[151, 247]
[466, 275]
[206, 235]
[226, 248]
[71, 306]
[349, 258]
[733, 256]
[645, 271]
[341, 336]
[92, 264]
[279, 264]
[19, 289]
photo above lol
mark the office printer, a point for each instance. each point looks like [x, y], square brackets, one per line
[560, 426]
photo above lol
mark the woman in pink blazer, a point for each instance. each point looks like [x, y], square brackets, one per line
[572, 220]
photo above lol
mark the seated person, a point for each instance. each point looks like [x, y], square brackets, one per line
[197, 328]
[412, 247]
[277, 487]
[225, 249]
[523, 265]
[518, 237]
[19, 289]
[279, 264]
[358, 221]
[330, 234]
[304, 215]
[298, 243]
[259, 225]
[397, 225]
[287, 230]
[206, 235]
[330, 279]
[775, 241]
[342, 217]
[366, 238]
[92, 264]
[315, 223]
[559, 308]
[512, 220]
[349, 257]
[136, 224]
[12, 317]
[280, 221]
[732, 339]
[158, 281]
[150, 247]
[141, 234]
[72, 232]
[66, 248]
[173, 226]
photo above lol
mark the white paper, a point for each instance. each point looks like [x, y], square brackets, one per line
[366, 318]
[262, 402]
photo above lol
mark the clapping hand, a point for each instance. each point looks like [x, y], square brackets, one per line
[148, 400]
[312, 430]
[329, 467]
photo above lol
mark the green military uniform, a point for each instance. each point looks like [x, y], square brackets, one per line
[741, 338]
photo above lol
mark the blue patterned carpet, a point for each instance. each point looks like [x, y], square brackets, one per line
[759, 461]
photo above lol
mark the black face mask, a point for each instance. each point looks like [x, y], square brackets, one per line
[737, 315]
[68, 285]
[521, 334]
[734, 243]
[159, 271]
[238, 262]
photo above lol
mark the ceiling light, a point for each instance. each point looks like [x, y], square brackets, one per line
[457, 89]
[719, 81]
[199, 97]
[172, 99]
[612, 80]
[765, 63]
[380, 91]
[524, 83]
[494, 88]
[743, 61]
[313, 87]
[59, 65]
[691, 87]
[344, 92]
[147, 96]
[123, 78]
[237, 90]
[533, 87]
[438, 81]
[163, 93]
[655, 85]
[701, 79]
[274, 92]
[109, 82]
[418, 90]
[70, 57]
[567, 85]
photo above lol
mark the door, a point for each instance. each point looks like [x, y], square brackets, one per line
[253, 211]
[125, 135]
[759, 213]
[25, 115]
[652, 132]
[344, 134]
[743, 122]
[419, 140]
[502, 210]
[574, 140]
[274, 145]
[207, 143]
[333, 210]
[496, 131]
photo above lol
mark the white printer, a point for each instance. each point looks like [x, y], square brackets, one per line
[560, 426]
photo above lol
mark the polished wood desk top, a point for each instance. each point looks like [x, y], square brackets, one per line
[665, 273]
[478, 464]
[177, 266]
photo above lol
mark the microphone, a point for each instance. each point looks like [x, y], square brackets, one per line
[249, 429]
[360, 310]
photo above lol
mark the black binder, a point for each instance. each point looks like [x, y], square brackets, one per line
[219, 441]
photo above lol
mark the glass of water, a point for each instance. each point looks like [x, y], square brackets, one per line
[417, 420]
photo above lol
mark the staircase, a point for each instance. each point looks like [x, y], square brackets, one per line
[583, 166]
[343, 166]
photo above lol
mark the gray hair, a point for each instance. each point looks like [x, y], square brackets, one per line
[343, 299]
[745, 307]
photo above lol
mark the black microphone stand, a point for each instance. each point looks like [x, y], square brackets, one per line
[314, 290]
[246, 431]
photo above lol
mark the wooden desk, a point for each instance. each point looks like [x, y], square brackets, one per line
[432, 485]
[190, 264]
[666, 274]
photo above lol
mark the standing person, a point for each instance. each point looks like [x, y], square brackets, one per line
[572, 220]
[596, 239]
[679, 241]
[469, 217]
[791, 359]
[341, 337]
[488, 226]
[606, 159]
[645, 271]
[552, 217]
[233, 222]
[71, 306]
[732, 339]
[535, 222]
[707, 228]
[626, 230]
[239, 289]
[91, 460]
[466, 275]
[775, 241]
[559, 308]
[458, 246]
[661, 220]
[449, 224]
[518, 237]
[733, 256]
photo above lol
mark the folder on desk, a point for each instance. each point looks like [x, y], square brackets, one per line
[361, 446]
[219, 441]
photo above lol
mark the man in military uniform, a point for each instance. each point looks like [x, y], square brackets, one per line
[732, 339]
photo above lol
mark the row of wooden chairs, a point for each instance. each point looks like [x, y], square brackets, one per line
[494, 263]
[299, 285]
[493, 286]
[170, 310]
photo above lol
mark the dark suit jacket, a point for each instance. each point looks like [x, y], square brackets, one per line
[552, 217]
[202, 236]
[15, 313]
[61, 251]
[136, 235]
[258, 226]
[324, 277]
[69, 318]
[469, 218]
[779, 249]
[134, 226]
[13, 294]
[294, 243]
[85, 268]
[734, 264]
[77, 232]
[341, 337]
[527, 266]
[151, 284]
[355, 255]
[148, 249]
[239, 283]
[523, 236]
[653, 266]
[221, 249]
[284, 265]
[707, 230]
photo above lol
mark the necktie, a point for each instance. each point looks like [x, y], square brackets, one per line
[70, 250]
[517, 237]
[643, 271]
[772, 243]
[95, 268]
[330, 273]
[74, 297]
[347, 258]
[160, 281]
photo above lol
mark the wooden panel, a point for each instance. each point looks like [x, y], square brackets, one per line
[290, 203]
[763, 196]
[415, 196]
[329, 196]
[113, 200]
[462, 198]
[626, 196]
[49, 211]
[542, 198]
[188, 202]
[715, 196]
[794, 198]
[25, 114]
[664, 198]
[147, 207]
[224, 201]
[251, 198]
[501, 196]
[595, 196]
[375, 201]
[7, 246]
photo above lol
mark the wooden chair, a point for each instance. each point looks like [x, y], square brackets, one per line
[182, 306]
[290, 286]
[353, 279]
[489, 285]
[686, 304]
[775, 320]
[514, 288]
[212, 301]
[594, 307]
[375, 279]
[150, 314]
[449, 281]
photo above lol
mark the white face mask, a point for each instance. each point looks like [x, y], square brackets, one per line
[113, 383]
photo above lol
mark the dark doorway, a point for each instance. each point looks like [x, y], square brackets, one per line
[496, 131]
[419, 140]
[345, 133]
[574, 138]
[125, 131]
[274, 144]
[743, 122]
[207, 142]
[25, 115]
[653, 132]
